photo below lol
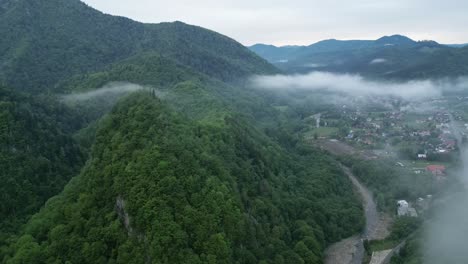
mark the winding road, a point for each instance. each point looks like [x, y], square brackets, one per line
[351, 250]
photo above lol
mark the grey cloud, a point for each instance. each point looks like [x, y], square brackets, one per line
[447, 230]
[351, 84]
[378, 61]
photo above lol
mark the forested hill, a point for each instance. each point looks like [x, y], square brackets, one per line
[47, 41]
[160, 188]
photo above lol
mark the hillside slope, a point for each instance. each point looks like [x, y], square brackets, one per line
[47, 41]
[160, 188]
[38, 156]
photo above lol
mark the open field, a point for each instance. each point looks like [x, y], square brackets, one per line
[322, 132]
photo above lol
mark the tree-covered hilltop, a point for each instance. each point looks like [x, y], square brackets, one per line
[37, 156]
[44, 42]
[161, 188]
[193, 93]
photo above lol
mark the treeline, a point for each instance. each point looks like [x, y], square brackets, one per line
[411, 252]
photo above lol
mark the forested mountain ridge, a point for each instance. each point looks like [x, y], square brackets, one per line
[391, 57]
[190, 92]
[160, 188]
[290, 53]
[47, 41]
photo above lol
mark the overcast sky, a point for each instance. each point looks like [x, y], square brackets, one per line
[303, 22]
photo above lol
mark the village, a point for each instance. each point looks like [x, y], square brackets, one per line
[420, 140]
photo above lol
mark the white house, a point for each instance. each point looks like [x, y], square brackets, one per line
[422, 156]
[404, 209]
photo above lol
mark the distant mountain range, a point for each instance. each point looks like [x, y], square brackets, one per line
[457, 45]
[281, 54]
[394, 56]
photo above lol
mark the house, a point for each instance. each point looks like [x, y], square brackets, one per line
[436, 170]
[422, 156]
[450, 144]
[404, 209]
[375, 125]
[424, 133]
[412, 212]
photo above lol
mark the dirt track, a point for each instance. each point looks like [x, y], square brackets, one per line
[351, 250]
[370, 208]
[347, 251]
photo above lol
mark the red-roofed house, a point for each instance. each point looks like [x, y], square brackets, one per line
[437, 170]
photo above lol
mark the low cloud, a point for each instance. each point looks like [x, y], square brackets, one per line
[378, 61]
[109, 90]
[314, 65]
[446, 232]
[354, 85]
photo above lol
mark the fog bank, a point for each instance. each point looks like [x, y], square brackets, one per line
[109, 90]
[357, 85]
[447, 231]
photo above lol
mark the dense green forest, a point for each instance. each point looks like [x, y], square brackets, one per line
[411, 253]
[38, 155]
[162, 188]
[45, 42]
[189, 164]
